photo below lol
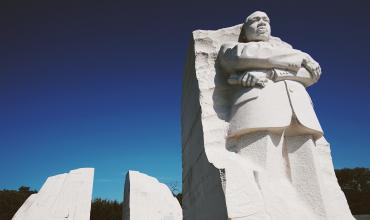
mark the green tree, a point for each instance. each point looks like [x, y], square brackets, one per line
[102, 209]
[355, 184]
[12, 200]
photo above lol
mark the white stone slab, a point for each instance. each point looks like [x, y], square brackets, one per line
[147, 199]
[272, 179]
[64, 196]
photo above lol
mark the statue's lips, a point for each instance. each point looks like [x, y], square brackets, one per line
[261, 30]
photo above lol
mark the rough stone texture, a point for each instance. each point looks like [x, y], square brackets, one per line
[147, 199]
[64, 196]
[219, 184]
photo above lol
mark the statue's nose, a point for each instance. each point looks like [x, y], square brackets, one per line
[261, 23]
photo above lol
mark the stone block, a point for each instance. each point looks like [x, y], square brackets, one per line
[64, 196]
[147, 199]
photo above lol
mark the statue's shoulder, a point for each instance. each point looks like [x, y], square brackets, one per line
[232, 44]
[234, 47]
[279, 42]
[274, 41]
[227, 45]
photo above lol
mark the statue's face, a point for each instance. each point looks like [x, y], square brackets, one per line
[257, 27]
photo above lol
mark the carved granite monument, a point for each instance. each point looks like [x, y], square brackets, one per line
[253, 147]
[65, 196]
[145, 198]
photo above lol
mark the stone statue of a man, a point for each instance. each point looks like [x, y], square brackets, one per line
[252, 146]
[272, 77]
[272, 121]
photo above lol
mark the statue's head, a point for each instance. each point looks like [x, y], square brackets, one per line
[256, 27]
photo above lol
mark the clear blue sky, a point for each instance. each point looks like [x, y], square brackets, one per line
[98, 84]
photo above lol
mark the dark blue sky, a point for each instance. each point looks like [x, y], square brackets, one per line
[98, 84]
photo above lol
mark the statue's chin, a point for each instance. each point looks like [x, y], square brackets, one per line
[259, 37]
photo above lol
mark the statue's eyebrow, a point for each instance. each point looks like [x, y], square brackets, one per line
[266, 18]
[256, 18]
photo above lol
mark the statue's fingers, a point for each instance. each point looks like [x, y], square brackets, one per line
[254, 81]
[249, 80]
[313, 67]
[244, 80]
[309, 68]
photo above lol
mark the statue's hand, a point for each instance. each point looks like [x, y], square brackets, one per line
[313, 67]
[252, 79]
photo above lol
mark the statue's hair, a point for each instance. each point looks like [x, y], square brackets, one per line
[249, 16]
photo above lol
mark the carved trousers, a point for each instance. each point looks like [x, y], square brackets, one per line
[284, 161]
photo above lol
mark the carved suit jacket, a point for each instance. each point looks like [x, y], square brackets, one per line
[273, 106]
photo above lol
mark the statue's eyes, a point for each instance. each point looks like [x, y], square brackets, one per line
[255, 19]
[266, 19]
